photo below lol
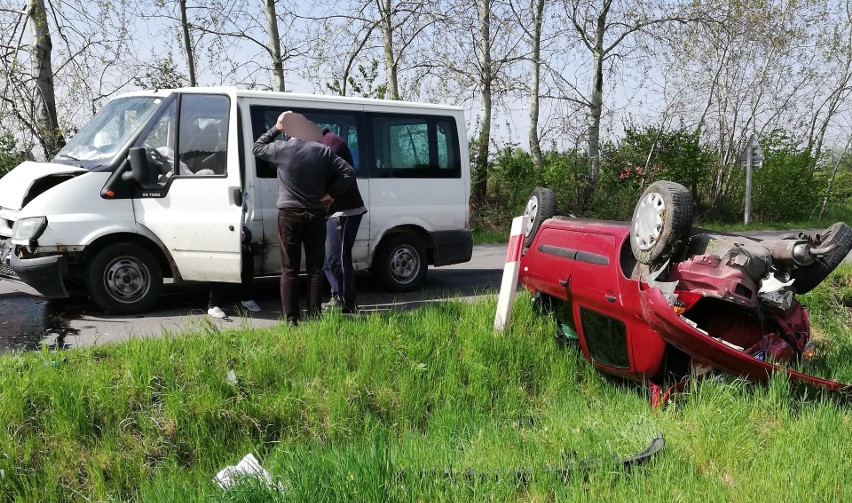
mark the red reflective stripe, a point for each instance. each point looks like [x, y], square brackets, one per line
[513, 252]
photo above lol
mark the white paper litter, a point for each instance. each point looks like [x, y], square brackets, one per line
[231, 377]
[249, 466]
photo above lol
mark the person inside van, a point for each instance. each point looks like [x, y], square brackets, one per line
[341, 228]
[309, 174]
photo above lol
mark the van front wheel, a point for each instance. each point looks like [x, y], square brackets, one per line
[401, 263]
[124, 278]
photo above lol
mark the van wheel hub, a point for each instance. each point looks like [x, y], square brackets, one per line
[126, 279]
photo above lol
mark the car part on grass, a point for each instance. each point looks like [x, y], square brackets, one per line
[540, 206]
[808, 277]
[661, 222]
[567, 469]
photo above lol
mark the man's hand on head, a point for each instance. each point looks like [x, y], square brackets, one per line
[280, 123]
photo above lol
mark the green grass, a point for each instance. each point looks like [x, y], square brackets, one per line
[834, 213]
[377, 408]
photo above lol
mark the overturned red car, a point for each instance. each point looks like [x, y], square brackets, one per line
[657, 299]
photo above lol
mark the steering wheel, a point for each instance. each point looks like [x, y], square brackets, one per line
[159, 160]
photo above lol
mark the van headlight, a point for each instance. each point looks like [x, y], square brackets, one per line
[29, 228]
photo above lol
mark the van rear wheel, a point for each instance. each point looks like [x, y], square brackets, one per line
[124, 278]
[401, 263]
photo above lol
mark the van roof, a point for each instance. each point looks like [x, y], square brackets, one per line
[295, 97]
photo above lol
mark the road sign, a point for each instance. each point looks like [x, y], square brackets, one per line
[752, 151]
[752, 157]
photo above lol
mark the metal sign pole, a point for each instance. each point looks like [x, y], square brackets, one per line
[748, 184]
[751, 159]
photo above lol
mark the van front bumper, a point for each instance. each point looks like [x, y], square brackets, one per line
[42, 273]
[452, 247]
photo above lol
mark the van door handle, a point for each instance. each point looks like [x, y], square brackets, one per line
[565, 283]
[610, 297]
[235, 195]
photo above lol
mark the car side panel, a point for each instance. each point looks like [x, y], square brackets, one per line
[582, 267]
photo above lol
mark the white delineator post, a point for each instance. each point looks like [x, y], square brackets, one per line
[509, 285]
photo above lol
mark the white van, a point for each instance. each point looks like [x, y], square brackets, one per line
[113, 213]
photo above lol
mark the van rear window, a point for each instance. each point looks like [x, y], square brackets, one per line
[414, 146]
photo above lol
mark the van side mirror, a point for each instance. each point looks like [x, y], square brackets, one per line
[140, 169]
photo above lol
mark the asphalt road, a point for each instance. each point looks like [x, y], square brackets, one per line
[27, 319]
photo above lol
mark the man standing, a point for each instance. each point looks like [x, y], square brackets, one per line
[344, 217]
[309, 176]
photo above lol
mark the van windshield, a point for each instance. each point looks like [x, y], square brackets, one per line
[108, 131]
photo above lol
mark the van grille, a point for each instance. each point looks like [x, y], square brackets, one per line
[7, 272]
[5, 269]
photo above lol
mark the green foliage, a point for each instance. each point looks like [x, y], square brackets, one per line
[363, 84]
[784, 188]
[11, 154]
[644, 156]
[512, 177]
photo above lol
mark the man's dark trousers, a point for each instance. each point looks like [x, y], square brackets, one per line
[340, 237]
[296, 227]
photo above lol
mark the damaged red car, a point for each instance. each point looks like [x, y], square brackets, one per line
[656, 299]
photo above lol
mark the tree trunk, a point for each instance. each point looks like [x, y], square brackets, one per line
[480, 174]
[595, 112]
[187, 44]
[387, 39]
[535, 145]
[275, 47]
[50, 136]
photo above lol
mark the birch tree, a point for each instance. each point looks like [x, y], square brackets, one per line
[59, 60]
[607, 29]
[385, 30]
[749, 60]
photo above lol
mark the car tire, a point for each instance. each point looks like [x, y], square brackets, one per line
[124, 278]
[807, 278]
[401, 263]
[540, 206]
[661, 222]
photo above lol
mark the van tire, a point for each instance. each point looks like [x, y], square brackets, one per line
[661, 222]
[540, 206]
[401, 263]
[124, 278]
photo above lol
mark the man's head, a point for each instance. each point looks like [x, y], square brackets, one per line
[298, 126]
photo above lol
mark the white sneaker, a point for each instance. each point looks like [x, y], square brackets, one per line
[217, 313]
[251, 305]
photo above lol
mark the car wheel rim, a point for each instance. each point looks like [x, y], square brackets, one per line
[127, 280]
[531, 211]
[648, 222]
[404, 264]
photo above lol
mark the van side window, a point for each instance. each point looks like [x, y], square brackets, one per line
[203, 134]
[411, 146]
[344, 123]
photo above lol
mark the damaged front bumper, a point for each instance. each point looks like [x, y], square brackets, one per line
[45, 273]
